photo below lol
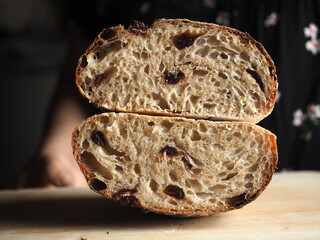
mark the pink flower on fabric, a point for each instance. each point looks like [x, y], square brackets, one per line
[271, 19]
[278, 96]
[313, 46]
[314, 111]
[223, 18]
[307, 122]
[311, 31]
[145, 6]
[209, 3]
[298, 118]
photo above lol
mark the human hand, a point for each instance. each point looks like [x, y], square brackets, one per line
[54, 165]
[52, 169]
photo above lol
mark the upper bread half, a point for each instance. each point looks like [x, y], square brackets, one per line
[179, 68]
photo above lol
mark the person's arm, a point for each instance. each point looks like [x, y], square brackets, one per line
[53, 164]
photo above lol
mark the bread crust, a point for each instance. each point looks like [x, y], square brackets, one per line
[111, 35]
[135, 202]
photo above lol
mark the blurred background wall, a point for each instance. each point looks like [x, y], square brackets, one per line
[32, 48]
[33, 39]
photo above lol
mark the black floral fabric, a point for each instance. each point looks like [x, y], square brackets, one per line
[288, 29]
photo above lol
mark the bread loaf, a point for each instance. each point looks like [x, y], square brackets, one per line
[171, 164]
[179, 68]
[174, 165]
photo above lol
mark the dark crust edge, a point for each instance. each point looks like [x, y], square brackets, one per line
[273, 84]
[179, 213]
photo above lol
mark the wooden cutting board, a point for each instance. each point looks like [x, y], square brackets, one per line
[288, 209]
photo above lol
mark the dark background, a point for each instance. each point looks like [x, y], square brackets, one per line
[32, 48]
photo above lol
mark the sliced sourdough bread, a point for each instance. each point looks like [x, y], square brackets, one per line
[174, 165]
[179, 68]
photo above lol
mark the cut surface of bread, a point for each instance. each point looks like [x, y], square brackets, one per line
[179, 68]
[174, 165]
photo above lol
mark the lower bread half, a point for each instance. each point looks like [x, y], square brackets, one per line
[174, 165]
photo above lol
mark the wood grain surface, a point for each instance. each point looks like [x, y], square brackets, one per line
[288, 209]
